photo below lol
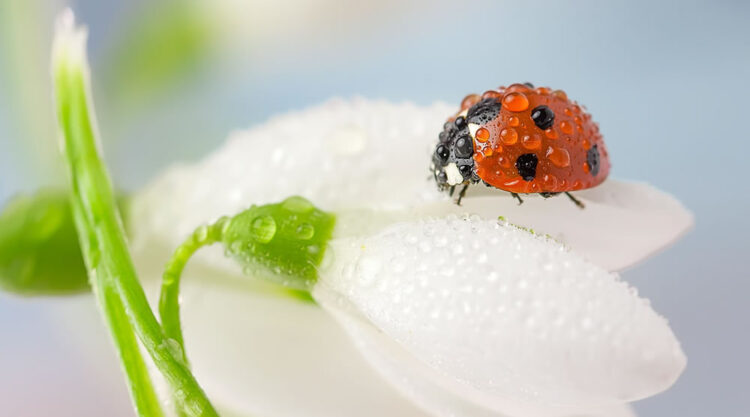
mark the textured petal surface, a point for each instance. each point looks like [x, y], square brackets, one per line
[375, 155]
[513, 321]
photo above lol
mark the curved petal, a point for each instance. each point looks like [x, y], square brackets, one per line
[264, 355]
[374, 154]
[435, 392]
[511, 319]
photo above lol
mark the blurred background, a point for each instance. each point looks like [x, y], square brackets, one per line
[667, 81]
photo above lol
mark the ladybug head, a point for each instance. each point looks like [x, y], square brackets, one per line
[452, 161]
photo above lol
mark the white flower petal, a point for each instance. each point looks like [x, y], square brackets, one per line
[509, 318]
[375, 155]
[435, 392]
[260, 354]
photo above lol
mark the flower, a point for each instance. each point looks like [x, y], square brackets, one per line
[462, 315]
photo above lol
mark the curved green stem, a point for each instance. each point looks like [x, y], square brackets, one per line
[110, 267]
[169, 299]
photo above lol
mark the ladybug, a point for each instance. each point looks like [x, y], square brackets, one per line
[522, 140]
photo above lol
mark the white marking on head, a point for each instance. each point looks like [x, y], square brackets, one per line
[454, 177]
[473, 127]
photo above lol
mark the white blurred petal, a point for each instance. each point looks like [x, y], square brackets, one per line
[513, 322]
[373, 154]
[263, 355]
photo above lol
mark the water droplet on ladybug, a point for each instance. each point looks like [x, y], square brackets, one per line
[558, 156]
[509, 136]
[482, 135]
[469, 101]
[532, 141]
[516, 102]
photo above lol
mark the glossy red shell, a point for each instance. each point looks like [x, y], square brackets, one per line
[562, 149]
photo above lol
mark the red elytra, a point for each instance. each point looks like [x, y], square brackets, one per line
[525, 140]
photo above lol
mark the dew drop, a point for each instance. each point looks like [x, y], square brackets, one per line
[509, 136]
[558, 156]
[482, 135]
[531, 141]
[201, 234]
[469, 101]
[560, 94]
[516, 102]
[264, 228]
[566, 127]
[297, 204]
[305, 231]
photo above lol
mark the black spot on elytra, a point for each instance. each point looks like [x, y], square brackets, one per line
[484, 112]
[593, 160]
[526, 165]
[543, 117]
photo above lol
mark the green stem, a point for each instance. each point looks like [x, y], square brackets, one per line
[169, 300]
[100, 230]
[139, 381]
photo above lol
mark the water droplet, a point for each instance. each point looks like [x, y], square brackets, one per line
[532, 141]
[297, 204]
[509, 136]
[200, 235]
[516, 102]
[305, 231]
[558, 156]
[482, 135]
[264, 228]
[469, 101]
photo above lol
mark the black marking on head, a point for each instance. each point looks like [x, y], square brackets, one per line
[454, 147]
[528, 84]
[543, 117]
[465, 170]
[442, 152]
[593, 160]
[484, 112]
[526, 165]
[463, 147]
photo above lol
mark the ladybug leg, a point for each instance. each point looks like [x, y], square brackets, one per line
[517, 197]
[548, 195]
[462, 193]
[575, 200]
[452, 190]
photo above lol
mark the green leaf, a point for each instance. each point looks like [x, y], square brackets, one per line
[39, 251]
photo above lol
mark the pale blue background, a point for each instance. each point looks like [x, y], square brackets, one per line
[667, 81]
